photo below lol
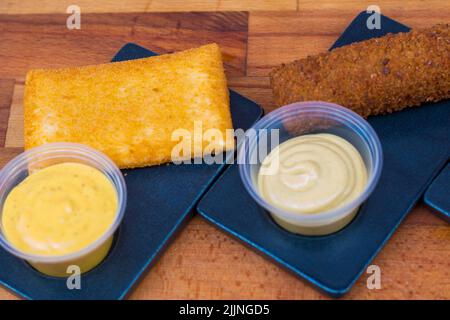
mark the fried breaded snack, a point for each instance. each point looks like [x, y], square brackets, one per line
[129, 110]
[372, 77]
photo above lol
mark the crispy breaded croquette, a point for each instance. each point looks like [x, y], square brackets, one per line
[372, 77]
[130, 110]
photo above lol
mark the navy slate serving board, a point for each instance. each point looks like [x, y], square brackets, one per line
[160, 199]
[437, 195]
[416, 145]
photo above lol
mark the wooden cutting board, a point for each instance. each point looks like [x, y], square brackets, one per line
[204, 263]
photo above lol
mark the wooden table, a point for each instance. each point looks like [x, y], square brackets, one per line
[255, 35]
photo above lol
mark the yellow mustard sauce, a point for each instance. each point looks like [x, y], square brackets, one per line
[60, 210]
[311, 174]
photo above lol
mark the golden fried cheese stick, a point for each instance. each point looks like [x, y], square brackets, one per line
[372, 77]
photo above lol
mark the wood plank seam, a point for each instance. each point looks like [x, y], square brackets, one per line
[6, 96]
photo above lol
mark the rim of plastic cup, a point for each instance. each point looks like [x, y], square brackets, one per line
[336, 112]
[73, 150]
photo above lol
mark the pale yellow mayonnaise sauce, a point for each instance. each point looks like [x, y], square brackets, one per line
[60, 210]
[311, 174]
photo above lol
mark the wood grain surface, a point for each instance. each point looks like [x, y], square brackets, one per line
[203, 262]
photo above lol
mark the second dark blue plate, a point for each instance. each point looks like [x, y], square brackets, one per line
[415, 144]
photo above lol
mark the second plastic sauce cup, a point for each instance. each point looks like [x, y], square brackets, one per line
[308, 118]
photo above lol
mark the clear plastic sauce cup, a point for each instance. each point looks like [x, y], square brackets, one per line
[309, 118]
[50, 154]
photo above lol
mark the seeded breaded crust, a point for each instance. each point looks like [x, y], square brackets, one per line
[372, 77]
[130, 110]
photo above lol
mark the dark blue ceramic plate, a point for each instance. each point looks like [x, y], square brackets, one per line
[416, 146]
[437, 195]
[160, 199]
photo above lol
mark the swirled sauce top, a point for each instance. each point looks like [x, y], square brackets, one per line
[312, 173]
